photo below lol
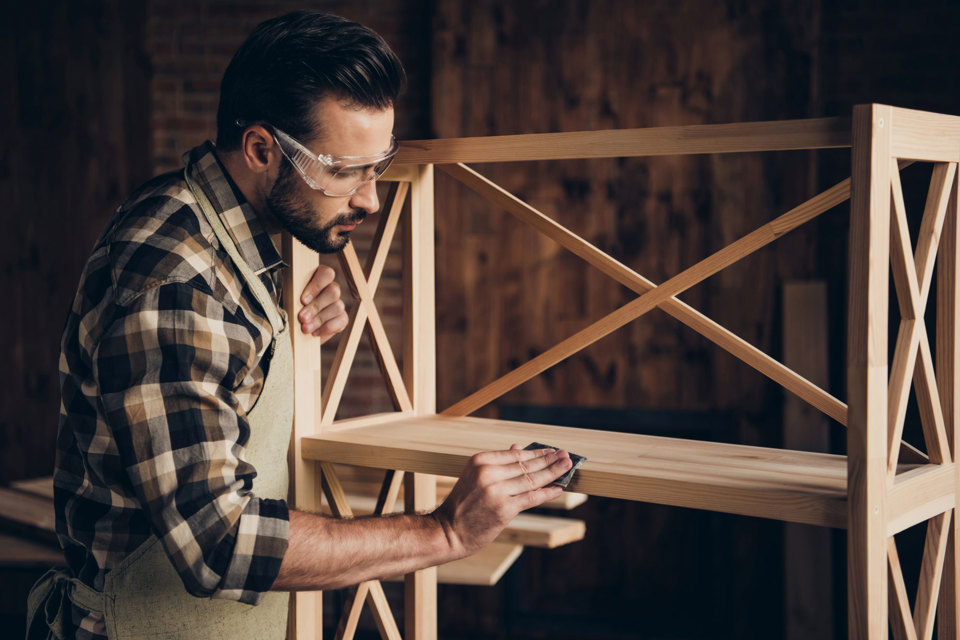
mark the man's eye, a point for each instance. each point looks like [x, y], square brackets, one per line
[347, 174]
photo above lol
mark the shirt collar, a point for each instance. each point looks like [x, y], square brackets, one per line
[252, 240]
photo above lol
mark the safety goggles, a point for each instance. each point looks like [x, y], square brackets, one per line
[335, 176]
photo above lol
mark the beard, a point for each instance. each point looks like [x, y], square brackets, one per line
[297, 217]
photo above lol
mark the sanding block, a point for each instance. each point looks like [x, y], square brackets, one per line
[565, 479]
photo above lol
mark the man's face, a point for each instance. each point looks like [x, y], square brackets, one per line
[323, 223]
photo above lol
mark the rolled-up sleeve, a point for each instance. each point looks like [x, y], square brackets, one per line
[166, 371]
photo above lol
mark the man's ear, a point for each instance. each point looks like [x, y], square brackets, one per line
[259, 149]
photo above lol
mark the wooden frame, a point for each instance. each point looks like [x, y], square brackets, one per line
[883, 486]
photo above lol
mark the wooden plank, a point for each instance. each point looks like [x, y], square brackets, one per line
[420, 377]
[920, 494]
[484, 568]
[948, 380]
[379, 343]
[306, 607]
[922, 135]
[814, 133]
[28, 514]
[808, 579]
[794, 486]
[931, 570]
[347, 347]
[420, 587]
[867, 373]
[901, 621]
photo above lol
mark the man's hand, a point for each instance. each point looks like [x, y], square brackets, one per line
[323, 313]
[494, 488]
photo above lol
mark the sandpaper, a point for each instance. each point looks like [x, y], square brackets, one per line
[565, 479]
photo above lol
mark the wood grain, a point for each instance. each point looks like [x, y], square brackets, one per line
[867, 373]
[781, 135]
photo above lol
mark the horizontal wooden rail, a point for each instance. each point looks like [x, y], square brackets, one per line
[781, 135]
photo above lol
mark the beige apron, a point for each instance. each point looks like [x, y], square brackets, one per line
[143, 596]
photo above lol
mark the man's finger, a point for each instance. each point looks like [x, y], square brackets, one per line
[531, 480]
[323, 276]
[530, 499]
[508, 456]
[330, 296]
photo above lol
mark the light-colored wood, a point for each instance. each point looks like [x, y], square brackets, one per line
[352, 608]
[347, 347]
[420, 376]
[867, 453]
[931, 569]
[774, 483]
[817, 133]
[901, 621]
[379, 607]
[306, 607]
[921, 135]
[379, 343]
[679, 310]
[919, 494]
[484, 568]
[948, 359]
[420, 587]
[912, 336]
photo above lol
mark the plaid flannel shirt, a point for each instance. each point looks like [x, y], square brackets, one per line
[162, 356]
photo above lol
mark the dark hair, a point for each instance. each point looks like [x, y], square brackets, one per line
[290, 62]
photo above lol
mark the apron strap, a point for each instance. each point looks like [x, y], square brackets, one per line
[48, 605]
[253, 281]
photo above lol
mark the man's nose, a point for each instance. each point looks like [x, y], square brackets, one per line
[366, 197]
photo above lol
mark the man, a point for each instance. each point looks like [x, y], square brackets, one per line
[170, 476]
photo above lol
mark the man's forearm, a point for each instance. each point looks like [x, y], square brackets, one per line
[327, 553]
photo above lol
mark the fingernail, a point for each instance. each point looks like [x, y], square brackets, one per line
[307, 315]
[307, 298]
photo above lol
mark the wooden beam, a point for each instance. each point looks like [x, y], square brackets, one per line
[931, 570]
[948, 381]
[816, 133]
[922, 135]
[867, 373]
[306, 607]
[420, 377]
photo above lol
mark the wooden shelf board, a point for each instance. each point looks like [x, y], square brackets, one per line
[793, 486]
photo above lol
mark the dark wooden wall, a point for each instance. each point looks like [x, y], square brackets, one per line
[75, 139]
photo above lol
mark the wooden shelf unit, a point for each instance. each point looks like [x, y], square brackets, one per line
[881, 487]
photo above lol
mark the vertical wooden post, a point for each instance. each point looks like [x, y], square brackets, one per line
[419, 375]
[867, 372]
[948, 382]
[306, 607]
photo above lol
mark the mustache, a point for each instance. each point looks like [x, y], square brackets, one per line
[354, 217]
